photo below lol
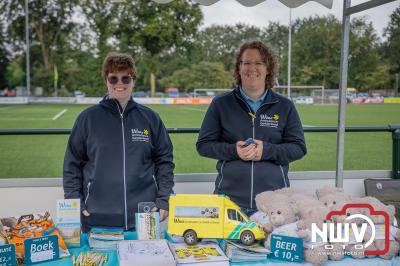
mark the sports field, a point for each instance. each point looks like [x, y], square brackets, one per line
[42, 156]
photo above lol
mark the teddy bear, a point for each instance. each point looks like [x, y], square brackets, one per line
[332, 197]
[281, 214]
[379, 222]
[352, 247]
[327, 190]
[314, 251]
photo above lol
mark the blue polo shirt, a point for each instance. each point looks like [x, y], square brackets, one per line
[254, 105]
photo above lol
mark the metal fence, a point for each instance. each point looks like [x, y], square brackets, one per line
[393, 129]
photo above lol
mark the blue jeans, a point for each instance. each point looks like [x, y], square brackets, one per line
[249, 212]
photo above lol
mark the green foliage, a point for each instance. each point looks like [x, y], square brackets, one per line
[166, 40]
[220, 43]
[316, 51]
[202, 75]
[16, 72]
[3, 60]
[391, 48]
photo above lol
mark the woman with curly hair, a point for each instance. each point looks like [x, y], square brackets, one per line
[252, 131]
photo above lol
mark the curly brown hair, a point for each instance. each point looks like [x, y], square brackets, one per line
[268, 56]
[117, 62]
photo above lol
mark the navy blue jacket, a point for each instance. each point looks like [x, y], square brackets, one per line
[116, 159]
[229, 119]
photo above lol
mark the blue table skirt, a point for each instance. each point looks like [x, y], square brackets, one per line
[113, 258]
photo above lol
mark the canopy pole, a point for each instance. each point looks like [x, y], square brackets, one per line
[27, 47]
[289, 54]
[344, 52]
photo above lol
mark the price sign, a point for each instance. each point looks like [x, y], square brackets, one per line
[287, 248]
[41, 249]
[7, 255]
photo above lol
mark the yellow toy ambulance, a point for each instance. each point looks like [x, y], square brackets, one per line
[196, 216]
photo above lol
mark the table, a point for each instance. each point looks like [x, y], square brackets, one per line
[113, 258]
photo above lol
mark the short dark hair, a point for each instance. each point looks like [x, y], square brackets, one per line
[268, 56]
[117, 62]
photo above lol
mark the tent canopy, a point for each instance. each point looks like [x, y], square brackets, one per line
[248, 3]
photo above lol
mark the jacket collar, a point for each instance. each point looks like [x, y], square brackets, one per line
[270, 98]
[114, 105]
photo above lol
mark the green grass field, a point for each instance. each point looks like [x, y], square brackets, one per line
[42, 156]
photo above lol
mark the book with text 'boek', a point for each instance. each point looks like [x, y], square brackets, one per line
[15, 230]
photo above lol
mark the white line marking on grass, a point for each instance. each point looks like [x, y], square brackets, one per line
[24, 119]
[5, 107]
[308, 125]
[59, 114]
[195, 109]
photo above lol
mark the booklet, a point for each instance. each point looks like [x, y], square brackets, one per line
[68, 221]
[237, 252]
[201, 254]
[145, 253]
[148, 225]
[105, 239]
[17, 229]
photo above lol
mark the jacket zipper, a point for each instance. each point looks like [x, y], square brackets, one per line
[88, 193]
[124, 163]
[252, 166]
[283, 175]
[222, 175]
[253, 116]
[155, 182]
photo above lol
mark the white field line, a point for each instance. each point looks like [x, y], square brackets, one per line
[59, 114]
[24, 119]
[194, 109]
[308, 125]
[5, 107]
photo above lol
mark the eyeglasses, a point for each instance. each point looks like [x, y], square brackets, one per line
[124, 79]
[257, 64]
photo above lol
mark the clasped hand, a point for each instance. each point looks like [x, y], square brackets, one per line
[252, 152]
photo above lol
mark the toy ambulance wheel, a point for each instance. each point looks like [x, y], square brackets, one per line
[247, 238]
[190, 237]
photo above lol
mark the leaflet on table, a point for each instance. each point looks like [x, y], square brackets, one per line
[15, 230]
[145, 253]
[105, 239]
[68, 221]
[209, 254]
[237, 252]
[148, 225]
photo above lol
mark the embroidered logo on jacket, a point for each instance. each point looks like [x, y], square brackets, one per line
[269, 121]
[140, 135]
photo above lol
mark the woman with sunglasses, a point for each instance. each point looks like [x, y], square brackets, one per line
[118, 155]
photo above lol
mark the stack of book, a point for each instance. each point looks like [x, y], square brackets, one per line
[201, 254]
[237, 252]
[105, 239]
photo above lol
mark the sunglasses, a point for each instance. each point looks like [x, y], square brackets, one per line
[124, 79]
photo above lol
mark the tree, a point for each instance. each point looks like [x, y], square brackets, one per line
[103, 17]
[3, 59]
[221, 43]
[392, 46]
[50, 23]
[316, 51]
[364, 60]
[202, 75]
[277, 36]
[150, 30]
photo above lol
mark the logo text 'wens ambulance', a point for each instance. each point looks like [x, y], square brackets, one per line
[333, 233]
